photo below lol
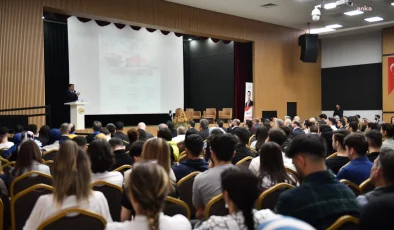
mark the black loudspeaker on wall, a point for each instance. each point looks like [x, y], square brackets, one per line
[309, 47]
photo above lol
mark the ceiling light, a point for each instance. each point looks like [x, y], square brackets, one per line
[330, 6]
[334, 26]
[392, 3]
[189, 39]
[374, 19]
[354, 12]
[321, 30]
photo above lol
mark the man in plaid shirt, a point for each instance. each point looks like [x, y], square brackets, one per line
[321, 198]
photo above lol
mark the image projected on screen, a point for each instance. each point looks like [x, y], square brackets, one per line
[123, 71]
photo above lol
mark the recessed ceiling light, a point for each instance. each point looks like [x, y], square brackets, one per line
[353, 12]
[392, 3]
[374, 19]
[190, 39]
[321, 30]
[334, 26]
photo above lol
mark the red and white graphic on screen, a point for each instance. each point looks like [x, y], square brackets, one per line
[390, 76]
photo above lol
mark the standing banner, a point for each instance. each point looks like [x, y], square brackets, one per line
[390, 76]
[248, 115]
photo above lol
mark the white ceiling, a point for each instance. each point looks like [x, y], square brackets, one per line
[297, 13]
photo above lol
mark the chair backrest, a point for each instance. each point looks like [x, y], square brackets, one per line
[182, 157]
[4, 161]
[228, 111]
[27, 180]
[345, 223]
[344, 166]
[185, 186]
[23, 203]
[114, 196]
[7, 167]
[269, 198]
[245, 162]
[356, 190]
[49, 163]
[123, 168]
[216, 207]
[293, 173]
[83, 220]
[210, 111]
[332, 155]
[50, 155]
[174, 206]
[366, 186]
[251, 139]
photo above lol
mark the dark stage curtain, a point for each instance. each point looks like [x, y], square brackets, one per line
[56, 70]
[186, 75]
[243, 72]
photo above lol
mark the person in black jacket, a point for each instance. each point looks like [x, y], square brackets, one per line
[204, 131]
[121, 157]
[96, 130]
[241, 151]
[71, 94]
[119, 131]
[338, 111]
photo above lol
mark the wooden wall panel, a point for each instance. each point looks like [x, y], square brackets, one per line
[388, 50]
[388, 41]
[387, 117]
[279, 75]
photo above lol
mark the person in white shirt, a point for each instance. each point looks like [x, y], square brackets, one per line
[240, 198]
[71, 181]
[148, 188]
[29, 159]
[181, 131]
[332, 123]
[4, 143]
[387, 131]
[261, 136]
[102, 160]
[278, 136]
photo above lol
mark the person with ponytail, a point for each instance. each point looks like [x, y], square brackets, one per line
[148, 187]
[71, 181]
[240, 192]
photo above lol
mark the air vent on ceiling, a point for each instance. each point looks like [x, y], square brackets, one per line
[268, 5]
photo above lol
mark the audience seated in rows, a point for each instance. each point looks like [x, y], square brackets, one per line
[181, 133]
[220, 124]
[191, 125]
[240, 194]
[204, 132]
[353, 126]
[142, 127]
[148, 188]
[208, 184]
[320, 199]
[96, 130]
[119, 131]
[4, 143]
[241, 150]
[359, 168]
[54, 139]
[193, 162]
[102, 159]
[121, 157]
[374, 138]
[382, 176]
[234, 126]
[337, 162]
[172, 128]
[64, 133]
[106, 132]
[72, 188]
[111, 128]
[387, 131]
[278, 136]
[165, 133]
[272, 170]
[136, 150]
[261, 136]
[296, 130]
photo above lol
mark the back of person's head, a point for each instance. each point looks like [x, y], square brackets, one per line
[385, 162]
[353, 126]
[277, 135]
[104, 131]
[64, 128]
[71, 173]
[243, 194]
[192, 123]
[314, 129]
[343, 122]
[332, 120]
[101, 136]
[71, 127]
[101, 156]
[19, 129]
[271, 163]
[325, 128]
[215, 131]
[170, 125]
[220, 123]
[111, 127]
[165, 133]
[307, 124]
[261, 136]
[243, 135]
[141, 135]
[372, 126]
[285, 129]
[181, 130]
[81, 141]
[339, 136]
[297, 124]
[132, 134]
[387, 130]
[33, 128]
[190, 132]
[54, 135]
[157, 149]
[256, 120]
[116, 142]
[374, 138]
[161, 126]
[180, 116]
[356, 144]
[223, 146]
[28, 152]
[97, 126]
[237, 122]
[279, 122]
[204, 123]
[323, 116]
[149, 197]
[3, 132]
[307, 151]
[194, 144]
[249, 123]
[119, 125]
[44, 131]
[136, 149]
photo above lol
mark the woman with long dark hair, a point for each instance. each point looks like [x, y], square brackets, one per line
[261, 136]
[272, 170]
[326, 136]
[43, 135]
[240, 193]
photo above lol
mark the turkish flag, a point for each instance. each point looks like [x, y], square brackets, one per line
[390, 76]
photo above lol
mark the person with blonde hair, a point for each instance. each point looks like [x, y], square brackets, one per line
[72, 188]
[180, 118]
[148, 200]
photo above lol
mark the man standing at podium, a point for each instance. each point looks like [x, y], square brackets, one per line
[71, 95]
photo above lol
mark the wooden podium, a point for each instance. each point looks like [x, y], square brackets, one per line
[77, 113]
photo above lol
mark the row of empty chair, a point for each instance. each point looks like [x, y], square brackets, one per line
[210, 114]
